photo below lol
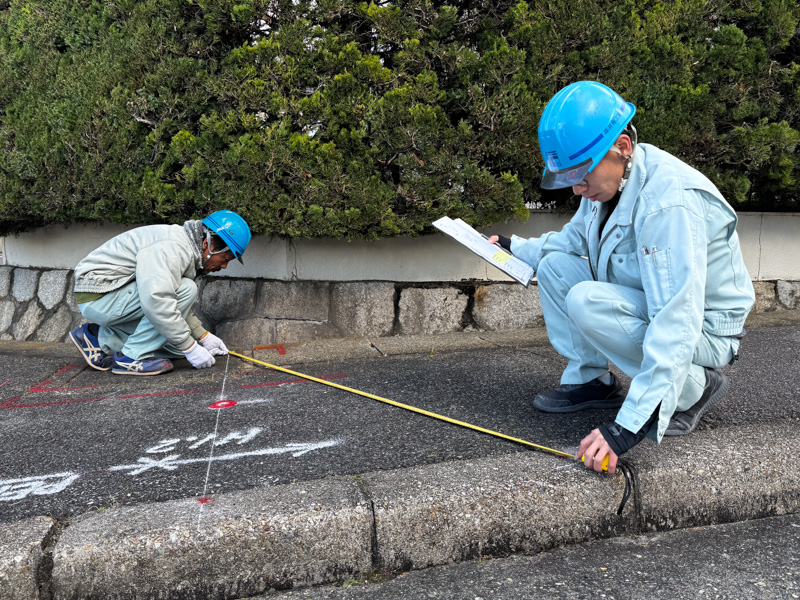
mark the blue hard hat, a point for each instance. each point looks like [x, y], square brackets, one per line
[231, 228]
[577, 129]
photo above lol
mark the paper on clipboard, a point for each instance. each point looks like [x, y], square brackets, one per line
[469, 237]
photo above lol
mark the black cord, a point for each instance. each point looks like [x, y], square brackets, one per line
[626, 493]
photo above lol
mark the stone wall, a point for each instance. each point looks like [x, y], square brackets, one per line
[38, 305]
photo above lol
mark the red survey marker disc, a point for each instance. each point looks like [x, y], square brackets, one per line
[223, 404]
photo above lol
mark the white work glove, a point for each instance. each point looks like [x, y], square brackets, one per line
[199, 356]
[213, 344]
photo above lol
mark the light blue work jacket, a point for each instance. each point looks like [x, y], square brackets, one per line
[673, 236]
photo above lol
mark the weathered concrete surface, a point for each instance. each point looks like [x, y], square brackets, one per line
[239, 545]
[766, 297]
[288, 330]
[21, 554]
[228, 300]
[527, 502]
[316, 351]
[426, 311]
[308, 300]
[431, 344]
[363, 308]
[507, 306]
[720, 476]
[245, 334]
[788, 293]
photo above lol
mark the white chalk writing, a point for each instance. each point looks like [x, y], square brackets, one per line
[17, 489]
[173, 461]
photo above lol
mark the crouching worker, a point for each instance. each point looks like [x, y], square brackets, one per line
[648, 275]
[137, 290]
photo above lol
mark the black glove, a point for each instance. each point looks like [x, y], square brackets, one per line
[504, 242]
[620, 439]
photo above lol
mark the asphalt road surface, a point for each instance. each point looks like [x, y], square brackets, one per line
[75, 439]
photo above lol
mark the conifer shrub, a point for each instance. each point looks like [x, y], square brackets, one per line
[344, 119]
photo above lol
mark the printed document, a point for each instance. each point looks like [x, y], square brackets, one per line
[475, 241]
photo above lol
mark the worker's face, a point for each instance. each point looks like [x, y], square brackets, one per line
[216, 262]
[602, 183]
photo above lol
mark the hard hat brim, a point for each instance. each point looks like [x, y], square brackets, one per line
[564, 178]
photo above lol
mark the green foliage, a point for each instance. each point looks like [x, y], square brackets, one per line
[347, 119]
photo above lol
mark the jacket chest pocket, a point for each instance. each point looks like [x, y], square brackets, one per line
[623, 266]
[656, 278]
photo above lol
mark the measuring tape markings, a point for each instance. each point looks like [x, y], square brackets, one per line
[414, 409]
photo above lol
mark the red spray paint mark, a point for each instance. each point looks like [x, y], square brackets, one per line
[15, 402]
[42, 386]
[223, 404]
[5, 382]
[281, 349]
[171, 393]
[204, 500]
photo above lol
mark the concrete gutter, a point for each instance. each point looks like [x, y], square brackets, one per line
[330, 530]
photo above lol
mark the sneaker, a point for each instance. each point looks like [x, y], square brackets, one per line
[89, 348]
[684, 422]
[570, 397]
[144, 366]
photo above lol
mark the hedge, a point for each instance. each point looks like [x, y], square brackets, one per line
[334, 118]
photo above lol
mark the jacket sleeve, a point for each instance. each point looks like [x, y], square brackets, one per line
[158, 275]
[672, 260]
[570, 240]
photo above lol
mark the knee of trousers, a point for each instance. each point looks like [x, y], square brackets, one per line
[560, 271]
[186, 293]
[584, 303]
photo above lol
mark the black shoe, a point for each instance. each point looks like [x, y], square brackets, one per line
[570, 397]
[684, 422]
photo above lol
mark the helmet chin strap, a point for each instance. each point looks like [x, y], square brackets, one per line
[629, 163]
[211, 252]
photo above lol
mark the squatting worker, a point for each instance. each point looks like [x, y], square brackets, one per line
[137, 290]
[647, 275]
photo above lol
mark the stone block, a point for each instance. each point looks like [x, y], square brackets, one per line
[7, 310]
[5, 281]
[24, 287]
[789, 293]
[507, 306]
[70, 295]
[363, 308]
[51, 288]
[228, 299]
[766, 298]
[308, 300]
[28, 323]
[55, 327]
[438, 310]
[301, 331]
[20, 556]
[245, 334]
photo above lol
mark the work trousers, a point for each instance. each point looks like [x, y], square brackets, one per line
[124, 327]
[591, 323]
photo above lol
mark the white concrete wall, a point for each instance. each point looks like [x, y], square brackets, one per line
[770, 244]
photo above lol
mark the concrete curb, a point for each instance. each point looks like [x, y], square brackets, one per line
[22, 552]
[330, 530]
